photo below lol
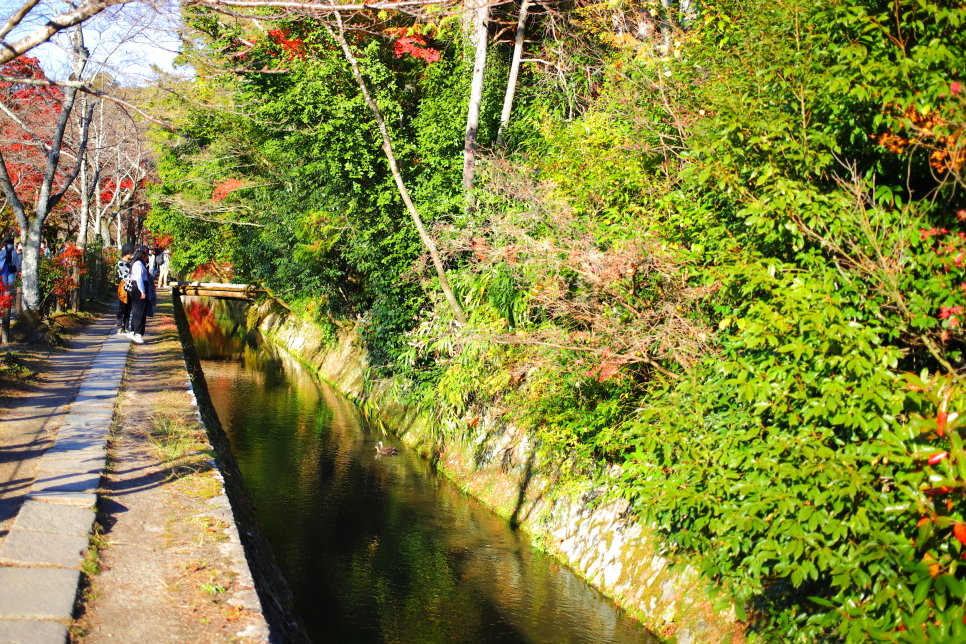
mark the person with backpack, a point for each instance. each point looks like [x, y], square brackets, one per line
[124, 286]
[142, 294]
[10, 262]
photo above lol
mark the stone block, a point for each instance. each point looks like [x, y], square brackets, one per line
[85, 420]
[78, 445]
[22, 632]
[94, 402]
[66, 482]
[86, 458]
[88, 411]
[37, 593]
[29, 548]
[79, 499]
[71, 453]
[97, 393]
[54, 517]
[101, 383]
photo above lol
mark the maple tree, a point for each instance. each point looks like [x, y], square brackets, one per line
[37, 119]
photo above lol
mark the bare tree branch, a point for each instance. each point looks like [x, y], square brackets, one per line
[17, 17]
[55, 199]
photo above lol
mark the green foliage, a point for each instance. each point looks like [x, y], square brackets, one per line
[716, 263]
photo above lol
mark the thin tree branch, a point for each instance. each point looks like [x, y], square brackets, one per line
[396, 173]
[16, 119]
[87, 89]
[40, 35]
[11, 193]
[215, 220]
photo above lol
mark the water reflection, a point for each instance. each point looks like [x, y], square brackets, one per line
[378, 549]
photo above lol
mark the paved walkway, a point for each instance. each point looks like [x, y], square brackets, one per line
[41, 555]
[31, 421]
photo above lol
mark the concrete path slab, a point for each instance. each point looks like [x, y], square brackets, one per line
[52, 517]
[37, 593]
[76, 446]
[92, 465]
[75, 449]
[94, 407]
[66, 482]
[29, 548]
[29, 423]
[22, 632]
[86, 432]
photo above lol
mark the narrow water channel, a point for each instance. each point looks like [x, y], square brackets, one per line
[375, 548]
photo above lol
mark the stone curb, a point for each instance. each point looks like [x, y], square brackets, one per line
[41, 557]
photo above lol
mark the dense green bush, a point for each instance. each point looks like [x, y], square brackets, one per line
[790, 462]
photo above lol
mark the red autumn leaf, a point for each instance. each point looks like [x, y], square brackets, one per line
[959, 531]
[935, 459]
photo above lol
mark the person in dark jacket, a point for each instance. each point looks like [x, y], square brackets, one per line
[142, 294]
[124, 287]
[10, 261]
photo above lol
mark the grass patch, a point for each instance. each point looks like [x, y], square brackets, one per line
[14, 369]
[179, 443]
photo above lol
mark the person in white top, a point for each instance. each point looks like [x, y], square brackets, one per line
[142, 294]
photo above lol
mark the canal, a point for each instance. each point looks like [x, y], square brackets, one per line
[378, 548]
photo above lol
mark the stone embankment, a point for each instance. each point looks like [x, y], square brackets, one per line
[498, 464]
[127, 496]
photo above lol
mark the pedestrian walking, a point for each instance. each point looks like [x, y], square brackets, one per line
[153, 263]
[142, 294]
[44, 251]
[10, 263]
[125, 284]
[164, 262]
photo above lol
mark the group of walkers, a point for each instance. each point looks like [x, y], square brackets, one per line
[140, 271]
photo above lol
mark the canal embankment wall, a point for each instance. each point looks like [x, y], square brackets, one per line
[595, 535]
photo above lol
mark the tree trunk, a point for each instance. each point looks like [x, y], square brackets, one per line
[5, 326]
[30, 271]
[31, 225]
[397, 175]
[76, 300]
[481, 16]
[511, 84]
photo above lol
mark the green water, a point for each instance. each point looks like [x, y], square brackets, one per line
[375, 548]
